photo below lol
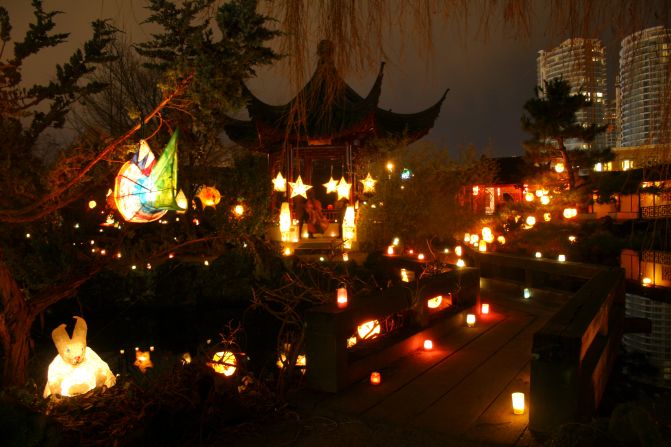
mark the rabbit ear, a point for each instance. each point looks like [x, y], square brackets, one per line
[79, 334]
[61, 338]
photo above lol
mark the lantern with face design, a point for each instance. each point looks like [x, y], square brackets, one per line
[76, 369]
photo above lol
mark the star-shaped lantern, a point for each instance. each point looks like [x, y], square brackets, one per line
[343, 189]
[280, 183]
[368, 183]
[331, 185]
[299, 188]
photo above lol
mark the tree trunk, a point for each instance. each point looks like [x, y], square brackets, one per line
[15, 323]
[570, 173]
[16, 352]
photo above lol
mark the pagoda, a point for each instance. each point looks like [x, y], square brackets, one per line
[325, 126]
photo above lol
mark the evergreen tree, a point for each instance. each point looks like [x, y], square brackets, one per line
[551, 120]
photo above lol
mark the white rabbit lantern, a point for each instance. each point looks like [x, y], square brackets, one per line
[76, 369]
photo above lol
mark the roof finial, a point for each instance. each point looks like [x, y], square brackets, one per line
[325, 50]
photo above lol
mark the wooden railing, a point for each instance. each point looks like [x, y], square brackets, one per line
[573, 354]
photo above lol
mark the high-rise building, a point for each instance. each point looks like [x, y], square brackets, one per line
[645, 85]
[582, 63]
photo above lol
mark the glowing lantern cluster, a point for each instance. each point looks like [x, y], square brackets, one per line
[368, 330]
[146, 188]
[76, 369]
[570, 213]
[224, 362]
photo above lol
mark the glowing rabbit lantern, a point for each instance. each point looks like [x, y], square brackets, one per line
[208, 196]
[348, 228]
[76, 369]
[146, 188]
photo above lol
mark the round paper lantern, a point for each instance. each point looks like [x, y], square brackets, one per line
[209, 196]
[224, 362]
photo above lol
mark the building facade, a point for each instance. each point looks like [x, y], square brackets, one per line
[644, 88]
[581, 62]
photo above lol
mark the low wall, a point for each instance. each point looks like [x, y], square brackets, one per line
[333, 365]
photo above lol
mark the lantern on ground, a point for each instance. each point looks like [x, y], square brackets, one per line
[345, 257]
[342, 297]
[76, 369]
[470, 320]
[647, 282]
[571, 239]
[501, 240]
[428, 345]
[435, 302]
[531, 221]
[375, 378]
[285, 221]
[143, 360]
[561, 258]
[420, 257]
[390, 250]
[482, 246]
[538, 255]
[518, 403]
[458, 250]
[348, 227]
[484, 309]
[461, 263]
[570, 213]
[526, 293]
[224, 362]
[467, 237]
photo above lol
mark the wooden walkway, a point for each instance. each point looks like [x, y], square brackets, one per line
[461, 390]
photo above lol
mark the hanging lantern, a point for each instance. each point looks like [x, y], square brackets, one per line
[76, 369]
[331, 185]
[531, 221]
[343, 189]
[208, 196]
[279, 183]
[238, 210]
[224, 362]
[368, 184]
[368, 330]
[529, 197]
[298, 188]
[92, 204]
[146, 188]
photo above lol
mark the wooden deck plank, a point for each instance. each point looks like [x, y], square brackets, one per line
[428, 388]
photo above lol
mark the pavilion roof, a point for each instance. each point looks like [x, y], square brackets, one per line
[329, 111]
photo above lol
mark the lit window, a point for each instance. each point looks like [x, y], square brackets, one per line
[627, 164]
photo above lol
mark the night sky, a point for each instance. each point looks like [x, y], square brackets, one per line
[489, 77]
